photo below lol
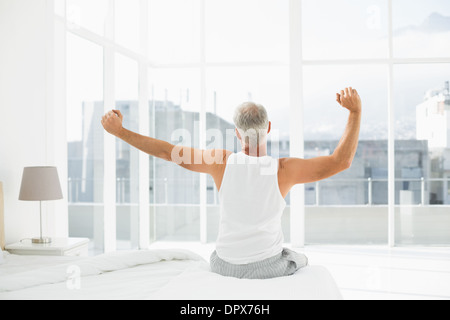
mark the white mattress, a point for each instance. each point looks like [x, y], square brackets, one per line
[150, 275]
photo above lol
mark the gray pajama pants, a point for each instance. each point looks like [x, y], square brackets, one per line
[285, 264]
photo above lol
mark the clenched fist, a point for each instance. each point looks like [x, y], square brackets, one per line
[112, 122]
[349, 99]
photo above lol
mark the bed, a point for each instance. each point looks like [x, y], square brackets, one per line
[174, 274]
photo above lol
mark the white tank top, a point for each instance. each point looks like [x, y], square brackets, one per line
[251, 207]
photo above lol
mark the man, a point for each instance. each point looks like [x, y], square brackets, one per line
[251, 189]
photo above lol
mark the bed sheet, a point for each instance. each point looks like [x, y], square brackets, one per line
[119, 275]
[150, 275]
[310, 283]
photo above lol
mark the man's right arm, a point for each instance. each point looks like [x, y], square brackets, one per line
[211, 162]
[295, 171]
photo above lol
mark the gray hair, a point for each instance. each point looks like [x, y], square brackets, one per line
[252, 122]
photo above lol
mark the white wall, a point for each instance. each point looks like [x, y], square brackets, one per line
[29, 135]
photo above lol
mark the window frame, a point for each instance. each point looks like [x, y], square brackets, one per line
[296, 64]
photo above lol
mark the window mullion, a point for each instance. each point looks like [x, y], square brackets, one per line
[144, 129]
[202, 136]
[296, 125]
[391, 134]
[109, 191]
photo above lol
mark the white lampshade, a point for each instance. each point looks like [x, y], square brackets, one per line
[40, 184]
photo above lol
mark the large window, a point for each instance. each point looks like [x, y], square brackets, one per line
[174, 117]
[177, 69]
[127, 24]
[85, 140]
[87, 14]
[340, 198]
[422, 103]
[341, 41]
[127, 158]
[250, 31]
[421, 29]
[345, 29]
[174, 31]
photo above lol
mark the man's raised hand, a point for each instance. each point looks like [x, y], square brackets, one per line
[349, 99]
[112, 122]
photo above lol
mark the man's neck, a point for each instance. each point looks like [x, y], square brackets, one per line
[261, 151]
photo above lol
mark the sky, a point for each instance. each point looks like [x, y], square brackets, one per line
[254, 31]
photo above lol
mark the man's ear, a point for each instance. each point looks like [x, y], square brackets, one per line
[270, 127]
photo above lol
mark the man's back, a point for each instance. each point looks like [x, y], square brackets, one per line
[251, 207]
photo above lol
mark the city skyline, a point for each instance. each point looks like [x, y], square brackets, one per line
[406, 126]
[412, 157]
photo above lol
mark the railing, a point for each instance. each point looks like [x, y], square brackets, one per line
[363, 187]
[78, 188]
[422, 182]
[81, 190]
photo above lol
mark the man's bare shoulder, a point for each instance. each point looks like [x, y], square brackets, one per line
[220, 156]
[284, 163]
[291, 166]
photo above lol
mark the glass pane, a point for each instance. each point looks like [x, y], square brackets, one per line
[422, 225]
[345, 29]
[127, 157]
[226, 89]
[60, 8]
[174, 30]
[86, 221]
[364, 185]
[175, 113]
[229, 87]
[127, 23]
[176, 223]
[421, 28]
[251, 30]
[348, 225]
[174, 191]
[88, 14]
[127, 219]
[85, 139]
[422, 105]
[326, 120]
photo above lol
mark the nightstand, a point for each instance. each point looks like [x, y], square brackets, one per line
[71, 247]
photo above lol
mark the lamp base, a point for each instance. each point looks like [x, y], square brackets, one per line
[41, 240]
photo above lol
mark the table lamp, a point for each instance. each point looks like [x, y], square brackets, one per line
[40, 184]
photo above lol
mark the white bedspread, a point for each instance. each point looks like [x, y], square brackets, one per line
[152, 274]
[310, 283]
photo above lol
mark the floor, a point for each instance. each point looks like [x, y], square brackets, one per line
[371, 272]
